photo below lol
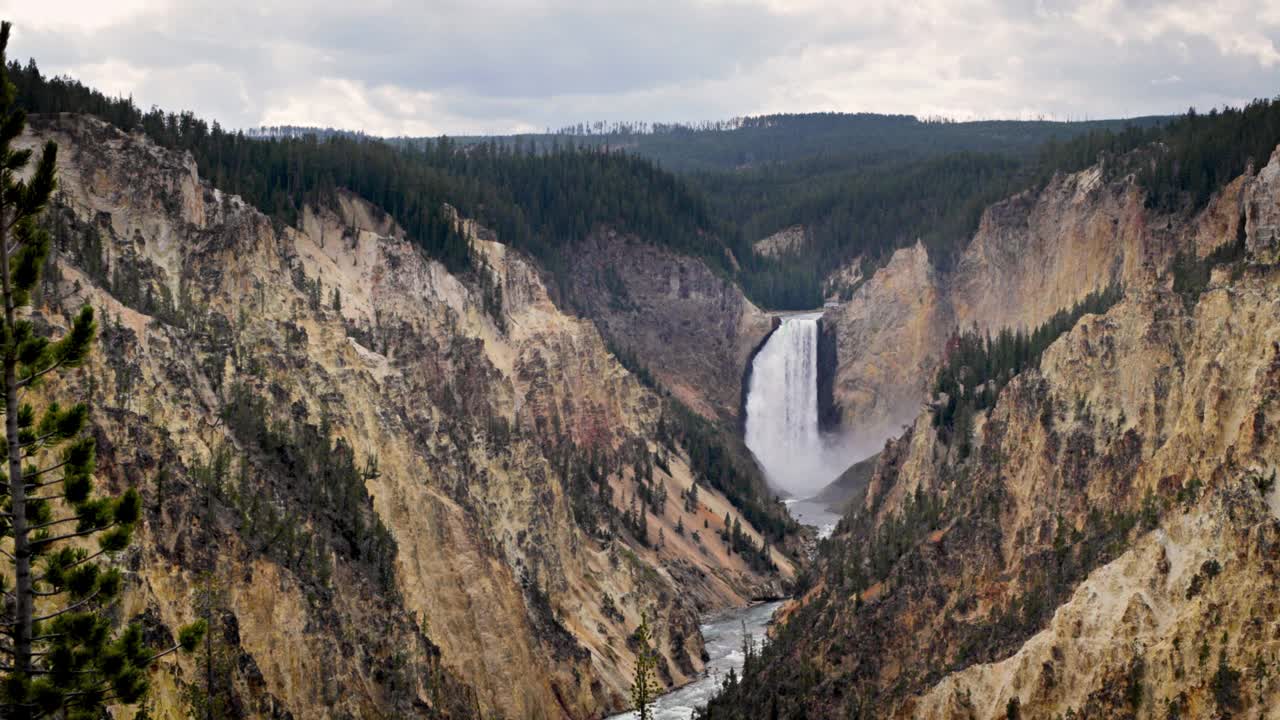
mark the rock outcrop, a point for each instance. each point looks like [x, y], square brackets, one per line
[1033, 255]
[840, 285]
[887, 339]
[784, 242]
[404, 496]
[690, 327]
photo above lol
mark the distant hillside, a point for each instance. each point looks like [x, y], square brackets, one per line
[850, 488]
[837, 137]
[854, 187]
[847, 185]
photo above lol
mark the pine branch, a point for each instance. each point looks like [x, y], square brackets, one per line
[32, 378]
[36, 671]
[67, 609]
[59, 496]
[60, 538]
[159, 655]
[105, 698]
[68, 566]
[51, 523]
[38, 473]
[36, 441]
[10, 651]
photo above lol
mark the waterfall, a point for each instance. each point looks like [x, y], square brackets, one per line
[782, 409]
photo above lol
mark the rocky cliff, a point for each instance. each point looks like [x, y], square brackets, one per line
[887, 337]
[784, 242]
[1033, 255]
[397, 491]
[690, 327]
[1109, 545]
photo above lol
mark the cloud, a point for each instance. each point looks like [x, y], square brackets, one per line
[457, 66]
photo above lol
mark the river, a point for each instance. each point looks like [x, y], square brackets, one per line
[722, 634]
[815, 514]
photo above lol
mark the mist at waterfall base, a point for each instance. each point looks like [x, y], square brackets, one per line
[782, 414]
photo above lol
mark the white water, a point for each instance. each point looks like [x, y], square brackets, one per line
[782, 412]
[722, 634]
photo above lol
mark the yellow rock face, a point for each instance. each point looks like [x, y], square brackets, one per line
[501, 603]
[1033, 255]
[1199, 395]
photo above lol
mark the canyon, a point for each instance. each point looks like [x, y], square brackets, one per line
[487, 456]
[402, 488]
[621, 361]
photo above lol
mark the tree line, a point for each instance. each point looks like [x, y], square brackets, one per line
[541, 202]
[63, 653]
[862, 185]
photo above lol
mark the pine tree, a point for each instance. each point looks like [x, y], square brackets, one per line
[643, 688]
[211, 696]
[691, 498]
[61, 657]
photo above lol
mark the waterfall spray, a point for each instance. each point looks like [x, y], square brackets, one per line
[782, 411]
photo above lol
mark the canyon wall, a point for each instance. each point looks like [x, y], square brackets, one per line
[691, 328]
[1106, 542]
[403, 489]
[1033, 255]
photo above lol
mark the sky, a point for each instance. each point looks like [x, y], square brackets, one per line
[395, 67]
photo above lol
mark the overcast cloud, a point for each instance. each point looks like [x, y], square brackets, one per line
[458, 66]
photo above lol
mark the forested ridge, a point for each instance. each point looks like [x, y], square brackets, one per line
[864, 185]
[760, 140]
[869, 210]
[861, 185]
[541, 202]
[869, 203]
